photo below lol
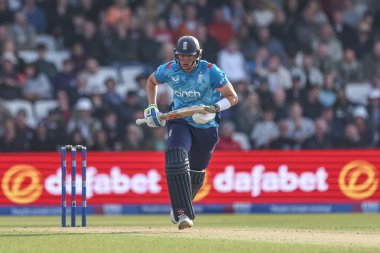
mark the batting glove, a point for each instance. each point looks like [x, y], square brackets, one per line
[152, 115]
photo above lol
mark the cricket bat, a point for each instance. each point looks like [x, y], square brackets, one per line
[181, 113]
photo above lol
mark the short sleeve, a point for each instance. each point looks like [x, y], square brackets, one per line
[161, 72]
[217, 77]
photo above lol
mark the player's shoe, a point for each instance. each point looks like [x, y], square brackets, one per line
[172, 218]
[184, 222]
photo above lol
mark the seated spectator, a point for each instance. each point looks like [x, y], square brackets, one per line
[66, 79]
[149, 47]
[232, 62]
[35, 16]
[78, 57]
[10, 141]
[365, 130]
[280, 107]
[119, 13]
[278, 76]
[22, 33]
[328, 92]
[265, 130]
[41, 140]
[350, 69]
[226, 141]
[334, 47]
[93, 77]
[6, 15]
[300, 127]
[11, 81]
[274, 46]
[219, 28]
[352, 139]
[309, 73]
[297, 93]
[210, 46]
[312, 107]
[320, 139]
[190, 22]
[24, 132]
[101, 142]
[111, 97]
[43, 65]
[157, 140]
[248, 113]
[265, 95]
[37, 85]
[133, 138]
[283, 141]
[83, 121]
[113, 127]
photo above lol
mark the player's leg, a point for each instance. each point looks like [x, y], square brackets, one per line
[203, 144]
[177, 173]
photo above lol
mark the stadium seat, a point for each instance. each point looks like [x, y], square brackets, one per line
[42, 108]
[129, 74]
[28, 56]
[57, 57]
[47, 40]
[107, 72]
[15, 105]
[358, 92]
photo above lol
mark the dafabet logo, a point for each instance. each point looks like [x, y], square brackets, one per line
[22, 184]
[358, 180]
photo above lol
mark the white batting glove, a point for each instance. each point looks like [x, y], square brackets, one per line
[152, 115]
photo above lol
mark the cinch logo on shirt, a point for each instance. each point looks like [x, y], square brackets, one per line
[187, 94]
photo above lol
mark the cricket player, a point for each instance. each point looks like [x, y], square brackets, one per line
[191, 140]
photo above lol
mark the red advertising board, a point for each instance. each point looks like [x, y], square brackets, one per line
[232, 177]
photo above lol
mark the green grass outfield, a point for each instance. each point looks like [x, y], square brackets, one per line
[211, 234]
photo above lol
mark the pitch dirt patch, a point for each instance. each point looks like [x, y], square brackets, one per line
[320, 237]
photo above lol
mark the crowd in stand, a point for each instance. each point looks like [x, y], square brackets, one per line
[307, 72]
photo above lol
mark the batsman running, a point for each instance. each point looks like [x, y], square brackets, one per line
[191, 140]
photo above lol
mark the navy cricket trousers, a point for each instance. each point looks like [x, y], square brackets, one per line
[198, 142]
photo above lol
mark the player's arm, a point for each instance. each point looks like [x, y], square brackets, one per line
[151, 89]
[229, 99]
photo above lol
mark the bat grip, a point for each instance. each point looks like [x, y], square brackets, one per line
[140, 121]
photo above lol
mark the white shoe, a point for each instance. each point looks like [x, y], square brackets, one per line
[172, 218]
[184, 222]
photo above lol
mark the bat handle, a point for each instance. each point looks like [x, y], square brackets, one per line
[140, 121]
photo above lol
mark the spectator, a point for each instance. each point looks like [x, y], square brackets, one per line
[66, 79]
[274, 46]
[231, 61]
[35, 16]
[6, 15]
[83, 122]
[300, 127]
[248, 113]
[328, 94]
[320, 139]
[210, 46]
[350, 70]
[351, 138]
[101, 142]
[265, 130]
[78, 57]
[190, 22]
[24, 132]
[283, 141]
[111, 98]
[10, 141]
[119, 13]
[374, 109]
[226, 140]
[43, 65]
[133, 138]
[11, 81]
[157, 141]
[312, 106]
[41, 140]
[37, 85]
[22, 33]
[149, 47]
[278, 76]
[219, 28]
